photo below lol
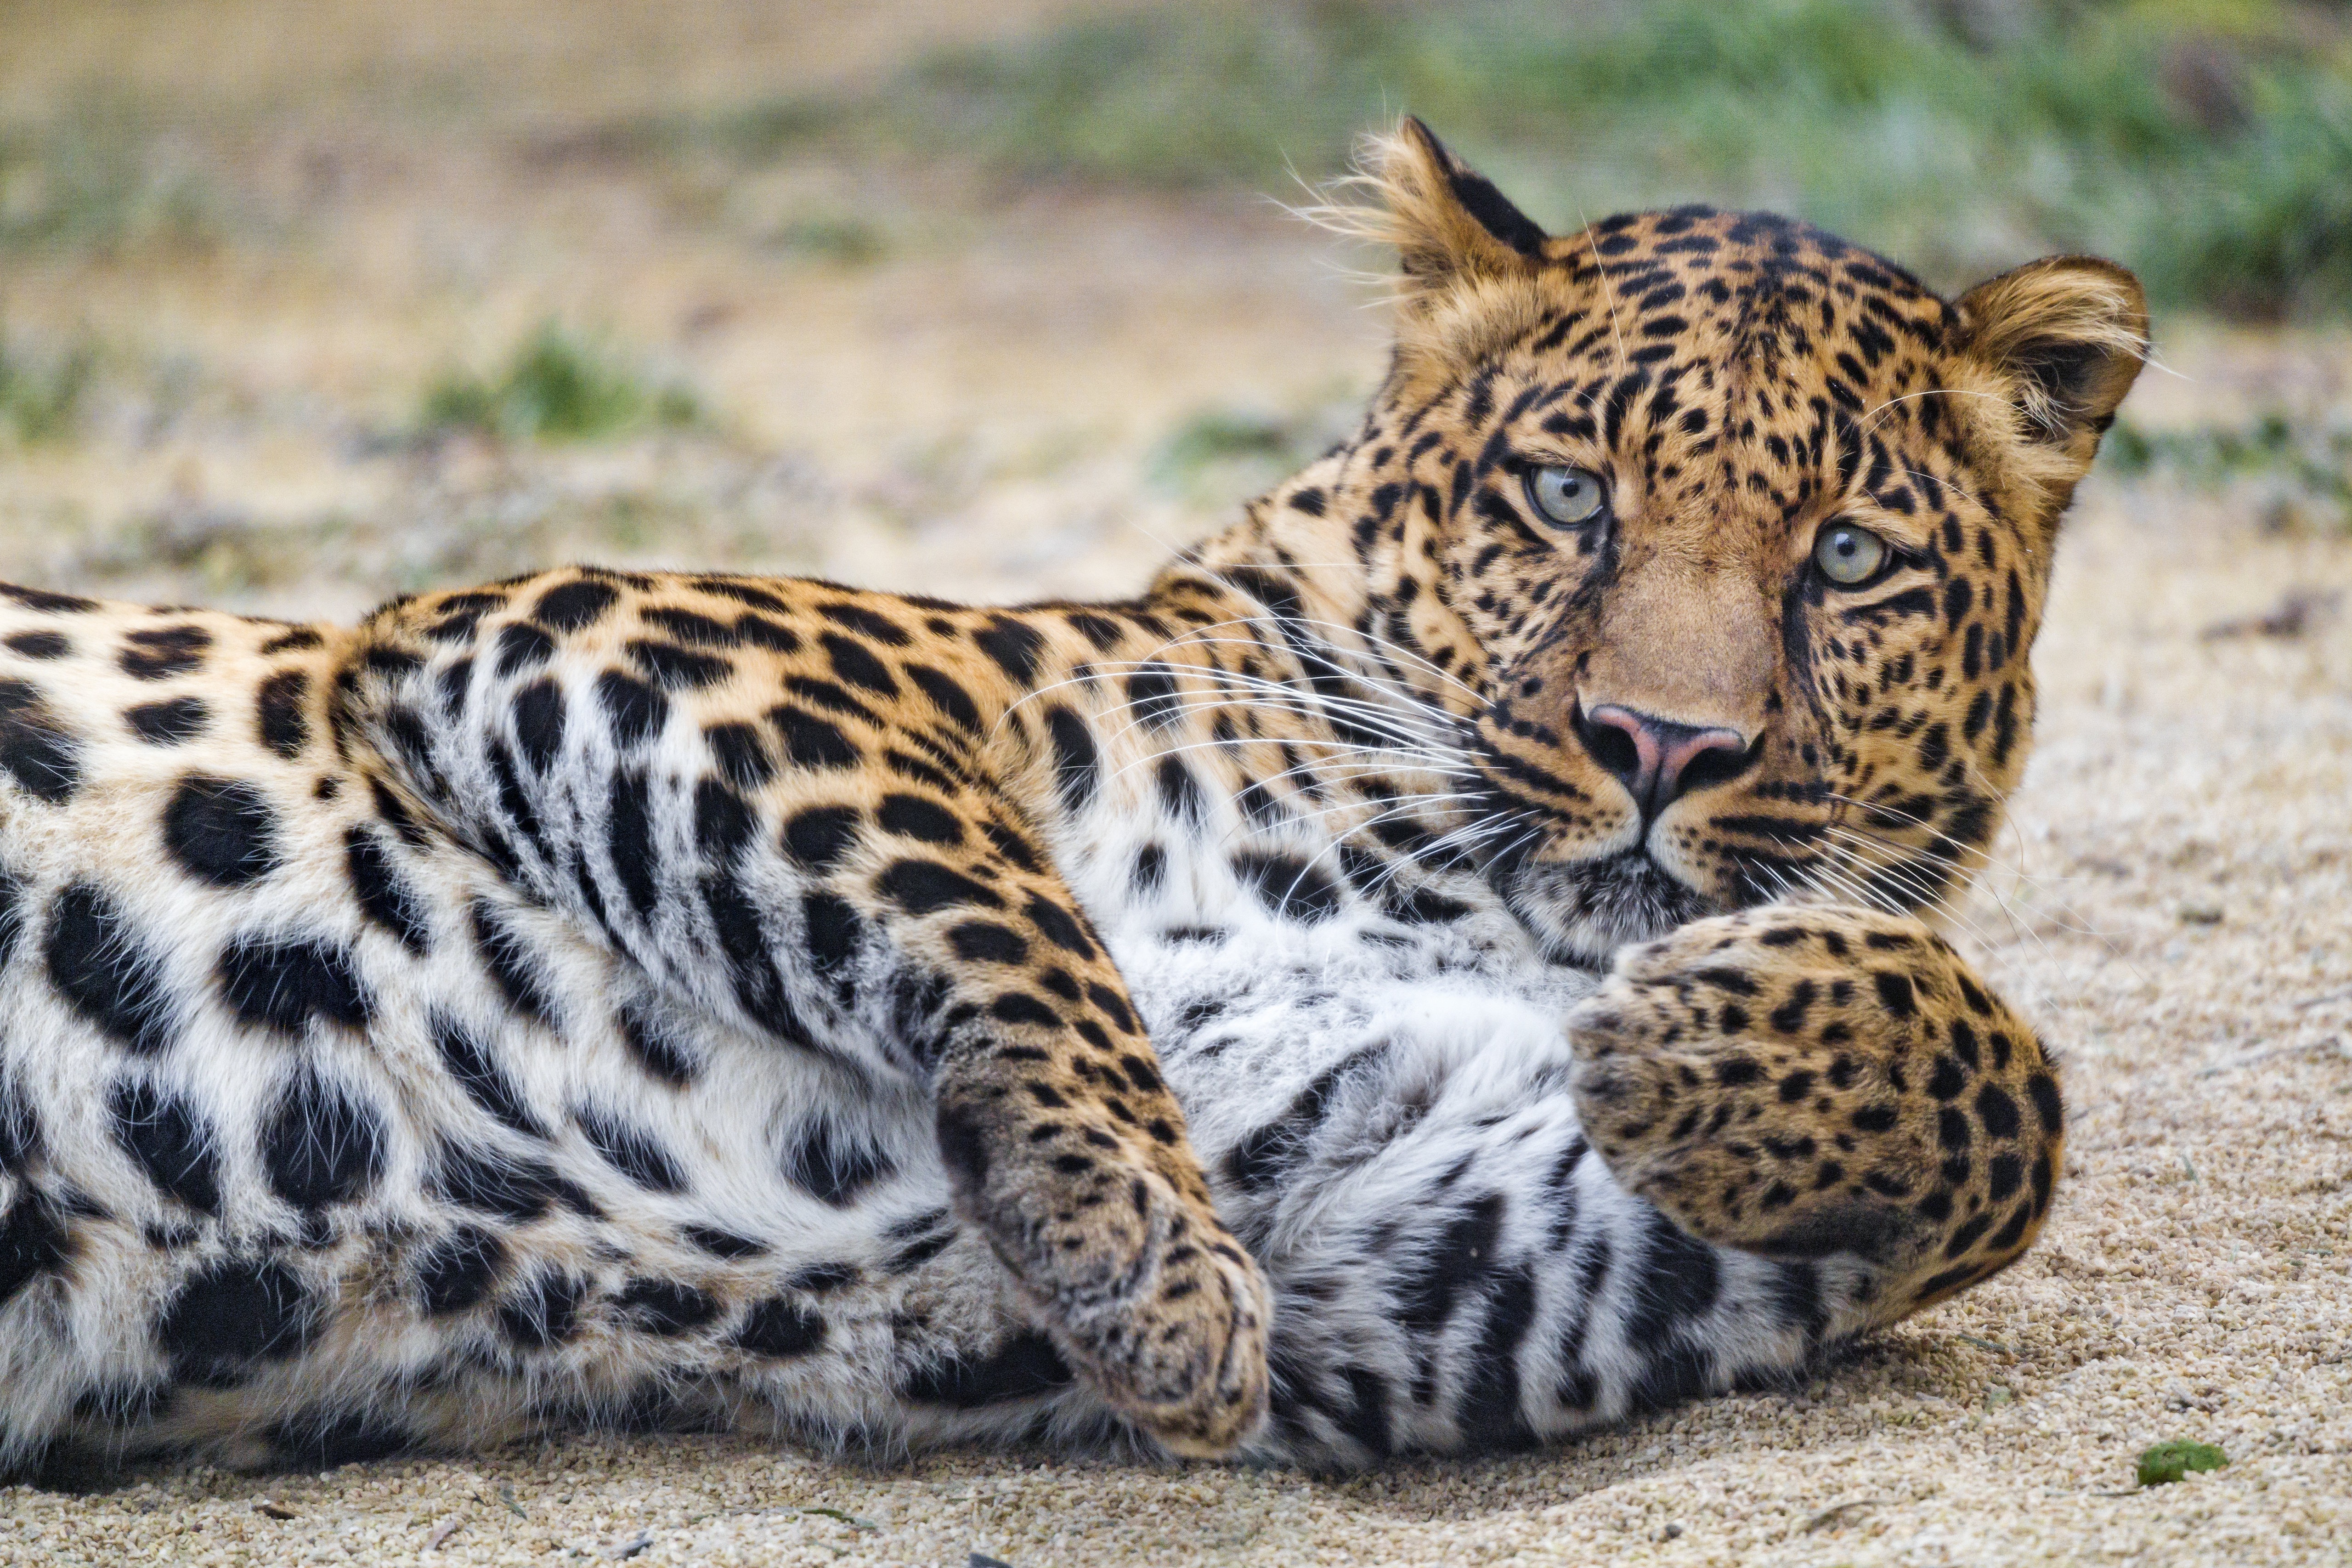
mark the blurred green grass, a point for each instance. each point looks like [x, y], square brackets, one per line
[557, 386]
[42, 395]
[2207, 143]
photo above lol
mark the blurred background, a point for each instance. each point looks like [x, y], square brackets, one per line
[302, 304]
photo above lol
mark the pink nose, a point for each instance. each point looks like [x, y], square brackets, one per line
[1657, 760]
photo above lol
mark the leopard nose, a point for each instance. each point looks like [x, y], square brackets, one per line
[1658, 760]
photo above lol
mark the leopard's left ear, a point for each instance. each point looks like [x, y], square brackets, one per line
[2067, 334]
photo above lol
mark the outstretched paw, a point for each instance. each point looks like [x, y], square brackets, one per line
[1801, 1082]
[1114, 1241]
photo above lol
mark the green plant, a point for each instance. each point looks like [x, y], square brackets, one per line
[2203, 145]
[2307, 465]
[43, 402]
[2168, 1462]
[99, 179]
[557, 387]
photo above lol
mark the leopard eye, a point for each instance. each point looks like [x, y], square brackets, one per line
[1847, 555]
[1569, 497]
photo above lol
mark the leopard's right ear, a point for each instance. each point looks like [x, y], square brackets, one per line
[1447, 221]
[1465, 255]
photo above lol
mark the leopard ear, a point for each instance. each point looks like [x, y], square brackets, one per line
[1447, 219]
[1466, 257]
[2067, 334]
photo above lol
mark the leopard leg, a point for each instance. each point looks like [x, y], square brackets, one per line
[1808, 1082]
[797, 868]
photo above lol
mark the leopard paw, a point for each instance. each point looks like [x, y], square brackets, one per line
[1804, 1081]
[1126, 1262]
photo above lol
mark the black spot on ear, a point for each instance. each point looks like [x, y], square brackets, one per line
[569, 606]
[109, 977]
[832, 1165]
[169, 723]
[234, 1314]
[38, 753]
[221, 831]
[1494, 211]
[320, 1146]
[383, 894]
[634, 1151]
[156, 652]
[282, 986]
[779, 1328]
[664, 1307]
[458, 1271]
[479, 1075]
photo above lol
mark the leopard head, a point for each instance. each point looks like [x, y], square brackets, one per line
[1736, 535]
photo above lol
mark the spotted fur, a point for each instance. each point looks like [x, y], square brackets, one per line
[1273, 1014]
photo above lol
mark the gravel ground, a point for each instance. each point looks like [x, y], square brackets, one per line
[987, 406]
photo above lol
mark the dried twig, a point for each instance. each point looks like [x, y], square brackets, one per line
[1836, 1512]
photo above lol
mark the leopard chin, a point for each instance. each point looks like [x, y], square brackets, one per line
[1584, 911]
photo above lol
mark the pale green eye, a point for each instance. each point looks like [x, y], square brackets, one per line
[1569, 497]
[1847, 555]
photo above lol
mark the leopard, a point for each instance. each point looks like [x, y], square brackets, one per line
[1459, 959]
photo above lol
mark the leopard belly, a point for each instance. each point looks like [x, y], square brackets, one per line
[370, 1198]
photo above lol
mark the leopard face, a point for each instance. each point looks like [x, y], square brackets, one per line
[1733, 539]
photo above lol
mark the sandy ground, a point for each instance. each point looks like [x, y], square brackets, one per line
[984, 403]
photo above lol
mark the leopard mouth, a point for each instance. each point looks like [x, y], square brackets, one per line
[1584, 911]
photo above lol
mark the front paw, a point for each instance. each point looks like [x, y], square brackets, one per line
[1127, 1263]
[1803, 1081]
